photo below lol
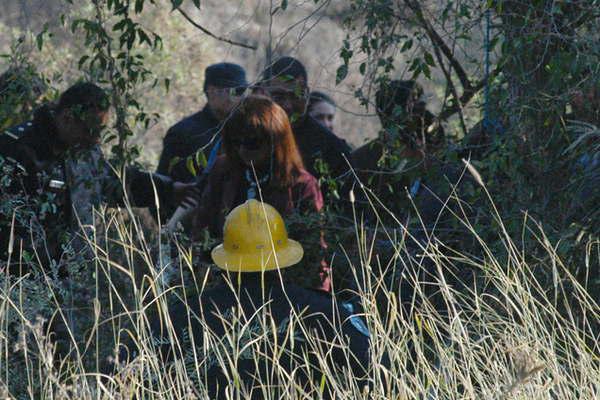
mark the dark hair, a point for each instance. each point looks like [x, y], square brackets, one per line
[85, 95]
[415, 120]
[395, 94]
[286, 66]
[317, 97]
[260, 115]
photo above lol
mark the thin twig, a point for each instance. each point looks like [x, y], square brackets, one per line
[209, 33]
[437, 40]
[452, 88]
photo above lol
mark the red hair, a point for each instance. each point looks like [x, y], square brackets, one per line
[262, 117]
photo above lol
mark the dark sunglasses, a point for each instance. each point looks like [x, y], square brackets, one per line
[236, 91]
[249, 142]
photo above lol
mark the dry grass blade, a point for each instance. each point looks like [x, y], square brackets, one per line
[504, 337]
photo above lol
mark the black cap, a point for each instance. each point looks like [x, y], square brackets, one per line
[226, 75]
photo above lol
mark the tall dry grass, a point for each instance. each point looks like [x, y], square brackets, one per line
[501, 335]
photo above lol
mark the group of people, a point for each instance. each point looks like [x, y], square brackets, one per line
[254, 153]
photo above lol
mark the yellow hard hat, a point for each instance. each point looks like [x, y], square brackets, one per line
[255, 239]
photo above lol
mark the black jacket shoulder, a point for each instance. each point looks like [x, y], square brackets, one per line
[203, 123]
[317, 142]
[330, 138]
[185, 138]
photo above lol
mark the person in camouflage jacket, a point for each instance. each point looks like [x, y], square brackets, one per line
[54, 175]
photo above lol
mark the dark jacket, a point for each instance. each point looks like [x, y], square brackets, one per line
[218, 313]
[191, 134]
[317, 142]
[299, 205]
[46, 186]
[422, 125]
[422, 184]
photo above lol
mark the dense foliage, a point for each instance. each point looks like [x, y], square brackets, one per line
[536, 145]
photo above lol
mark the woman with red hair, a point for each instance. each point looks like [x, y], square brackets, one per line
[262, 161]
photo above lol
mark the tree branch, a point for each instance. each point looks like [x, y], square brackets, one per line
[209, 33]
[448, 76]
[468, 95]
[438, 42]
[469, 89]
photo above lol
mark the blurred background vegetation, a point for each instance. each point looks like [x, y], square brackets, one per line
[516, 85]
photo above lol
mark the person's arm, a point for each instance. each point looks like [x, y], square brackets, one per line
[336, 153]
[209, 205]
[143, 188]
[310, 196]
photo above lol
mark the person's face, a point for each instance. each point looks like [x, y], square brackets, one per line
[78, 128]
[223, 100]
[253, 149]
[289, 94]
[324, 113]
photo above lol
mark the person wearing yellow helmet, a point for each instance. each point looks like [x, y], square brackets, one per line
[262, 161]
[287, 338]
[255, 240]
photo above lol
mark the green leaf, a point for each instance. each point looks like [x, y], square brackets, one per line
[425, 69]
[39, 39]
[196, 3]
[415, 64]
[158, 43]
[322, 384]
[346, 53]
[119, 26]
[189, 164]
[341, 73]
[407, 45]
[429, 59]
[144, 37]
[201, 159]
[139, 6]
[284, 4]
[176, 3]
[130, 41]
[174, 161]
[82, 60]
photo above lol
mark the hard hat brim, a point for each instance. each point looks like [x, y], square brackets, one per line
[287, 256]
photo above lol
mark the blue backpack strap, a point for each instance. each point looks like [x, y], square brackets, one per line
[212, 157]
[355, 320]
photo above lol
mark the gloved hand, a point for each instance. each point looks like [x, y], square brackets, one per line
[186, 195]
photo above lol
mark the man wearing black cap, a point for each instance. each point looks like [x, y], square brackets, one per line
[286, 82]
[224, 83]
